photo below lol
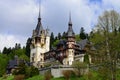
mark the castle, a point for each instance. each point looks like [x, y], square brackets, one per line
[65, 52]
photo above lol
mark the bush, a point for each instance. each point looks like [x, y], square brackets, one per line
[33, 71]
[19, 77]
[67, 74]
[27, 71]
[5, 76]
[89, 76]
[47, 76]
[79, 68]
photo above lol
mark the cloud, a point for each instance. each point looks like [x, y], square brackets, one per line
[19, 17]
[10, 41]
[57, 14]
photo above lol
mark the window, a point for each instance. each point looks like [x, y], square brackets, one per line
[33, 55]
[41, 59]
[41, 54]
[32, 59]
[67, 62]
[41, 66]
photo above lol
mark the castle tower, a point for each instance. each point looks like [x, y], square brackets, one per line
[70, 37]
[39, 45]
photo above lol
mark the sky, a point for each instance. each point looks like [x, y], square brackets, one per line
[18, 18]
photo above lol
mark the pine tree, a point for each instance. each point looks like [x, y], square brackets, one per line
[4, 50]
[27, 51]
[51, 39]
[119, 29]
[82, 33]
[63, 35]
[7, 50]
[59, 36]
[17, 46]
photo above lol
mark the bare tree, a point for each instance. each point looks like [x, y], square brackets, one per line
[79, 68]
[108, 24]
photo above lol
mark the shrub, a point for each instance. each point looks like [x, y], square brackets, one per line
[67, 74]
[27, 71]
[89, 76]
[5, 76]
[79, 68]
[19, 77]
[33, 71]
[73, 73]
[47, 75]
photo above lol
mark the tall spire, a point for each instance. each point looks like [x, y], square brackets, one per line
[70, 31]
[39, 27]
[39, 17]
[70, 21]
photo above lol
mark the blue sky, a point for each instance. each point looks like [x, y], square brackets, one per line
[19, 17]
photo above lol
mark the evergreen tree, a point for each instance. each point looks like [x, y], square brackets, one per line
[91, 34]
[59, 36]
[63, 35]
[56, 38]
[82, 33]
[4, 50]
[3, 64]
[17, 46]
[27, 51]
[7, 50]
[51, 39]
[119, 29]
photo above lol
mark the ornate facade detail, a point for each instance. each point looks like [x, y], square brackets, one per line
[65, 52]
[39, 45]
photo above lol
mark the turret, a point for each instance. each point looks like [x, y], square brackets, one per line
[40, 44]
[70, 36]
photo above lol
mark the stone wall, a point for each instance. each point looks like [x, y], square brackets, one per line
[57, 72]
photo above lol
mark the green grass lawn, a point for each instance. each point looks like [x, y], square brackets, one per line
[92, 76]
[39, 77]
[8, 78]
[61, 78]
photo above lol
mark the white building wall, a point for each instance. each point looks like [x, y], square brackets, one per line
[70, 57]
[47, 43]
[38, 52]
[80, 57]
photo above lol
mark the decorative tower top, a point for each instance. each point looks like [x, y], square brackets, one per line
[39, 28]
[70, 32]
[39, 17]
[70, 21]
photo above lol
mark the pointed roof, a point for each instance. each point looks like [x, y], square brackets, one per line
[70, 21]
[70, 32]
[39, 26]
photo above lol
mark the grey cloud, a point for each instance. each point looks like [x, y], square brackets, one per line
[19, 17]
